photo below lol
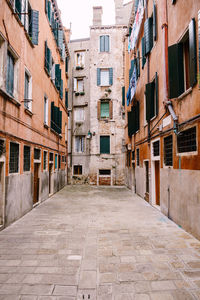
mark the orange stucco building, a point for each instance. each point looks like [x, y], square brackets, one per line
[162, 107]
[33, 105]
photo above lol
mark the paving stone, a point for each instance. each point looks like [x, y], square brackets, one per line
[62, 290]
[162, 285]
[88, 280]
[36, 289]
[142, 297]
[105, 289]
[107, 278]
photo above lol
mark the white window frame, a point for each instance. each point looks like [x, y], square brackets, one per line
[29, 102]
[82, 60]
[107, 83]
[46, 110]
[80, 141]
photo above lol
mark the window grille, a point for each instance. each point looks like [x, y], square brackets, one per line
[51, 157]
[36, 153]
[138, 157]
[14, 158]
[104, 172]
[168, 150]
[156, 148]
[27, 158]
[186, 140]
[77, 170]
[133, 155]
[59, 162]
[2, 147]
[45, 160]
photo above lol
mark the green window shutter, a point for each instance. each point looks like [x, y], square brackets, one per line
[49, 11]
[34, 30]
[192, 53]
[98, 76]
[130, 30]
[46, 6]
[123, 95]
[59, 121]
[66, 98]
[52, 115]
[60, 38]
[149, 100]
[137, 115]
[102, 43]
[148, 33]
[143, 53]
[156, 94]
[104, 144]
[49, 58]
[138, 63]
[130, 123]
[176, 70]
[61, 89]
[111, 76]
[154, 22]
[131, 69]
[45, 58]
[57, 76]
[66, 64]
[18, 7]
[107, 43]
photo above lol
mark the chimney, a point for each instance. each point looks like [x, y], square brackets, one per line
[118, 12]
[97, 15]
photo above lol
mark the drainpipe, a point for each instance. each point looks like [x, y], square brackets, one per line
[166, 101]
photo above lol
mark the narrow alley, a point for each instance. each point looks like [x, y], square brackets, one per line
[97, 243]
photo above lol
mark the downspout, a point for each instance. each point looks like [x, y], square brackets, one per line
[166, 102]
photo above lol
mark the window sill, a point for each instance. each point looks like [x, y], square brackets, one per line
[9, 97]
[192, 153]
[58, 135]
[28, 112]
[187, 92]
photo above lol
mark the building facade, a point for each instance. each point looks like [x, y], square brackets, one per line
[33, 105]
[163, 111]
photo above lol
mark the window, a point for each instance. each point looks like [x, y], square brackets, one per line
[10, 74]
[78, 85]
[151, 93]
[56, 161]
[77, 170]
[2, 147]
[56, 118]
[134, 119]
[150, 31]
[37, 154]
[133, 155]
[51, 157]
[105, 109]
[128, 159]
[33, 24]
[123, 96]
[27, 91]
[45, 160]
[66, 98]
[105, 172]
[48, 59]
[104, 77]
[186, 141]
[156, 148]
[168, 151]
[80, 59]
[27, 158]
[183, 63]
[138, 157]
[104, 43]
[79, 144]
[46, 110]
[105, 144]
[79, 114]
[14, 158]
[63, 158]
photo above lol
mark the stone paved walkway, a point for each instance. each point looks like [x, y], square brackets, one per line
[98, 243]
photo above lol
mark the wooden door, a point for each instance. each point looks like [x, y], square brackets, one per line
[36, 184]
[50, 174]
[157, 182]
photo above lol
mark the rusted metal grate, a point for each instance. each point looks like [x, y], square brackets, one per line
[186, 140]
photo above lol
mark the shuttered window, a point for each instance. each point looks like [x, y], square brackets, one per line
[48, 58]
[143, 53]
[152, 99]
[56, 161]
[26, 91]
[66, 99]
[104, 109]
[27, 158]
[134, 119]
[45, 111]
[14, 158]
[33, 25]
[104, 77]
[79, 144]
[104, 144]
[148, 35]
[18, 7]
[183, 63]
[58, 77]
[104, 43]
[56, 118]
[10, 74]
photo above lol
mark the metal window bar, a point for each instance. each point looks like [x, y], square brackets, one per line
[36, 153]
[156, 148]
[138, 157]
[2, 147]
[14, 158]
[168, 151]
[51, 157]
[45, 161]
[27, 158]
[186, 141]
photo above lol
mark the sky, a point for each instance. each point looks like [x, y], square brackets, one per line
[79, 13]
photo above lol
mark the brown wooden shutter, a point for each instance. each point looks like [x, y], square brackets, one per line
[111, 109]
[98, 109]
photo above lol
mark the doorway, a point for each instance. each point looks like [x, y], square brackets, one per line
[133, 178]
[157, 182]
[36, 183]
[2, 193]
[50, 178]
[147, 180]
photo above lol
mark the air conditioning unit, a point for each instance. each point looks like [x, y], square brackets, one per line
[129, 147]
